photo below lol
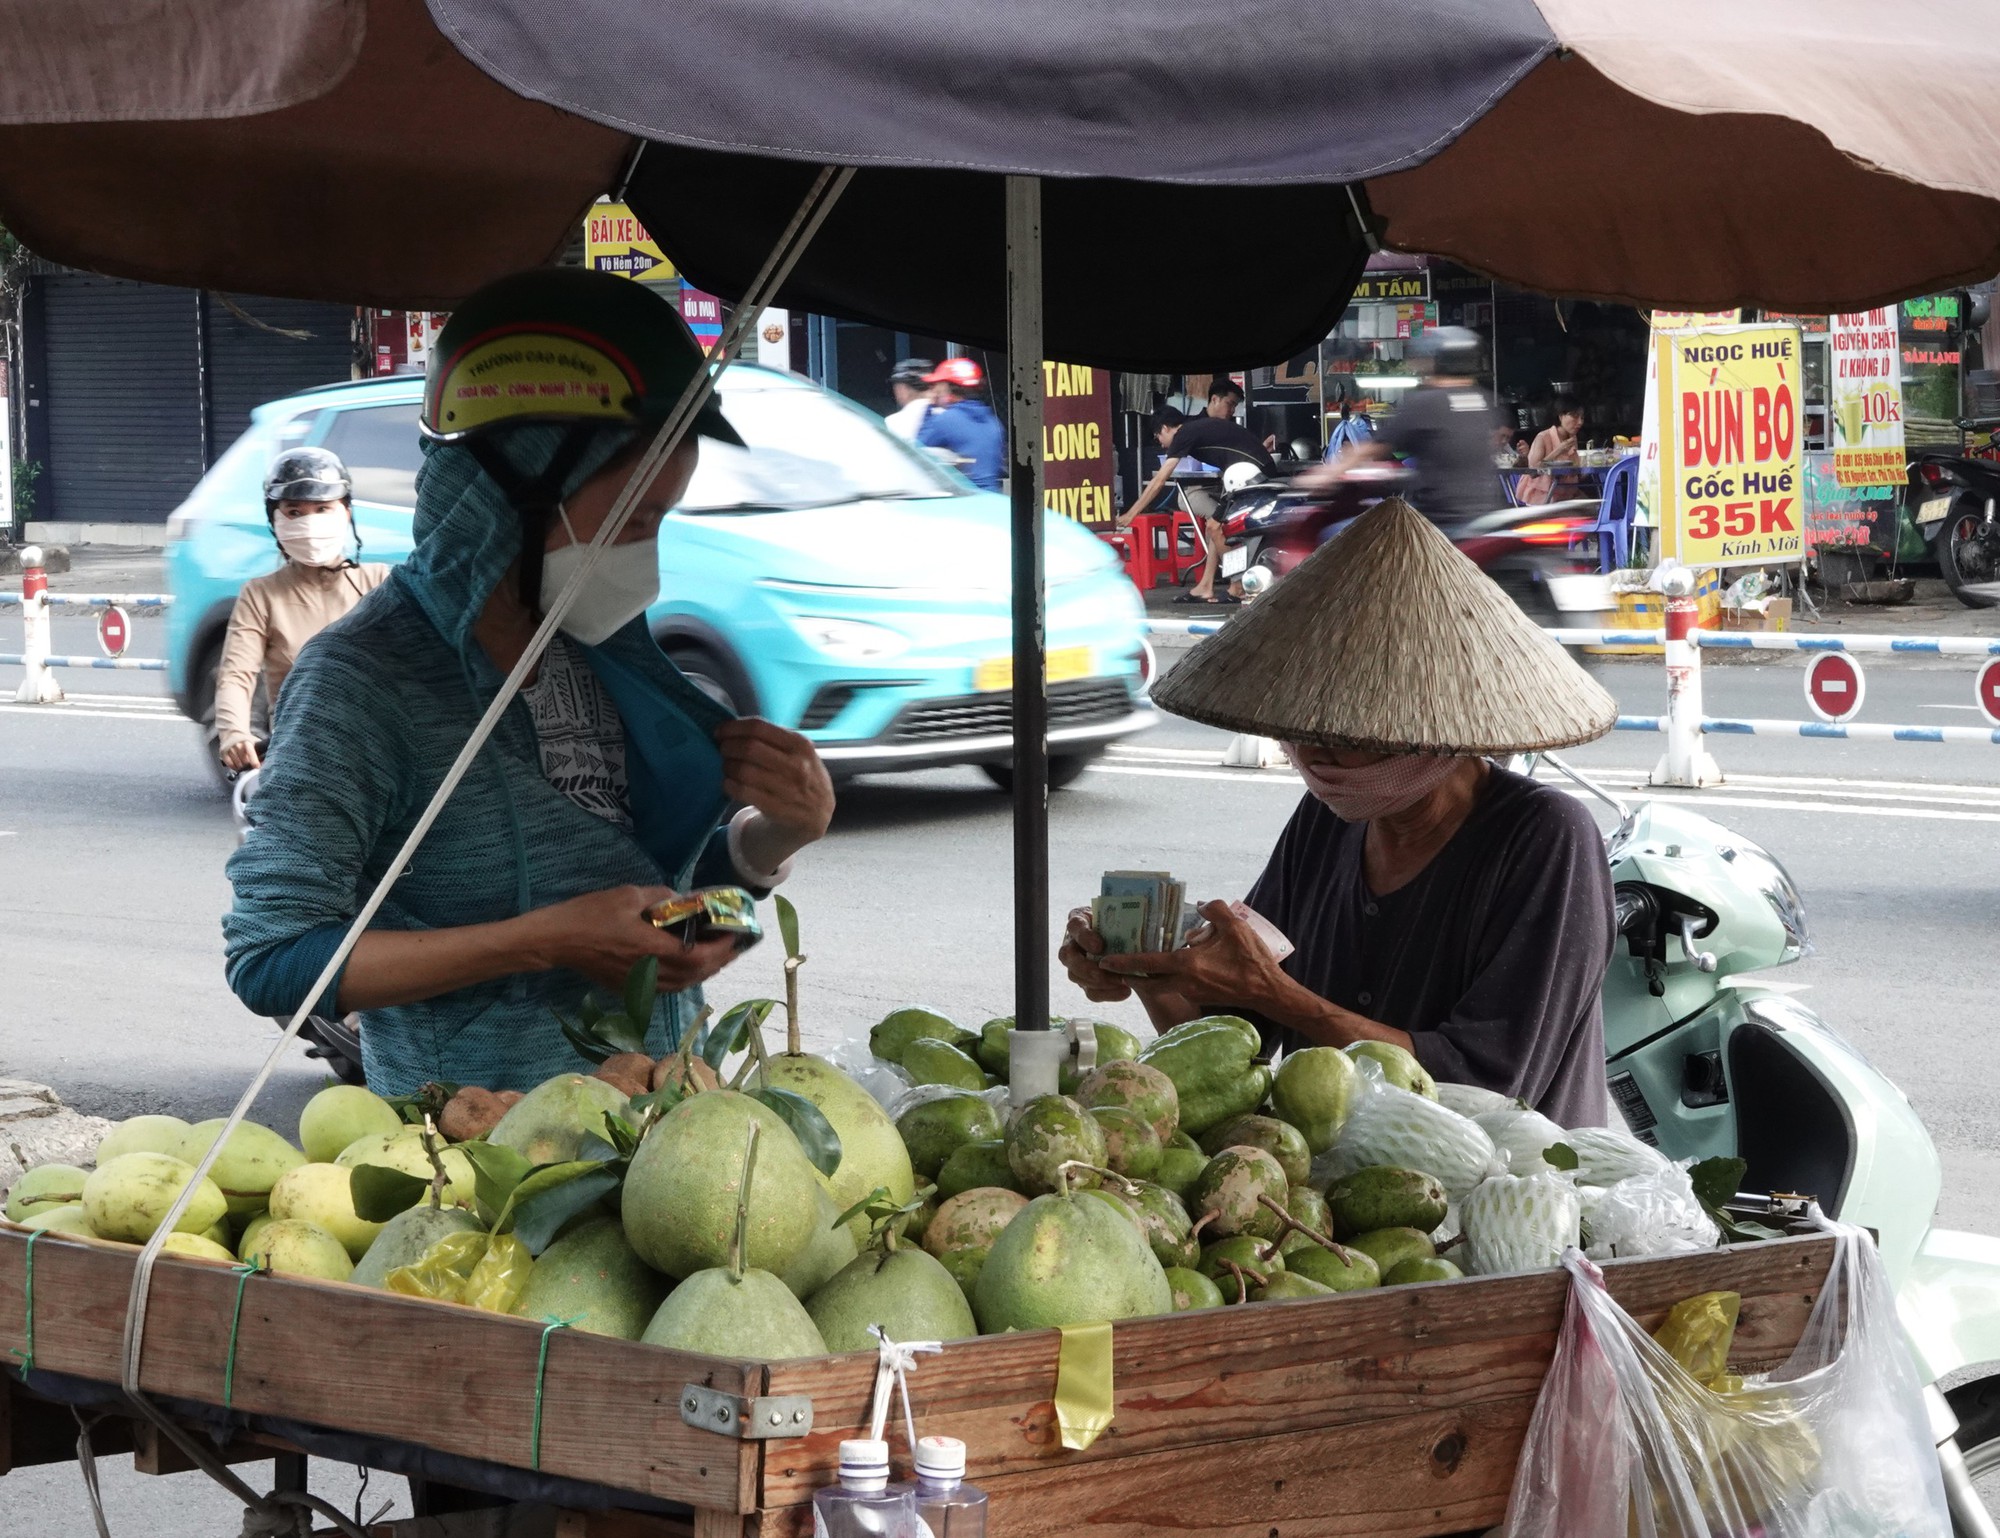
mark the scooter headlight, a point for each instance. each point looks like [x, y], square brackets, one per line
[1762, 870]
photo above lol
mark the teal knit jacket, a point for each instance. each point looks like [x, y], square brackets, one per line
[371, 717]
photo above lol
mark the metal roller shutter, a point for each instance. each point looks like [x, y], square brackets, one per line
[249, 363]
[123, 399]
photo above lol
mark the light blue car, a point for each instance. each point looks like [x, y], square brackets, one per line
[829, 577]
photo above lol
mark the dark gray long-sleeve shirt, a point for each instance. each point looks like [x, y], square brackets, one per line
[1492, 957]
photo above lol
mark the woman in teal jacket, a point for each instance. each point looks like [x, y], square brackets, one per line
[605, 785]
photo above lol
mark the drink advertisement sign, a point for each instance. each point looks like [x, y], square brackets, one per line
[1731, 472]
[1867, 391]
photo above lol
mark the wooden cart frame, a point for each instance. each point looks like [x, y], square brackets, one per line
[1385, 1413]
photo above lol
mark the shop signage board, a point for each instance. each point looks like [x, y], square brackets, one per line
[1076, 443]
[1412, 286]
[615, 241]
[1846, 515]
[1867, 398]
[1646, 489]
[1731, 446]
[703, 314]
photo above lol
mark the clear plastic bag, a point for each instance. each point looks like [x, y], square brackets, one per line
[1655, 1214]
[1836, 1444]
[1392, 1126]
[882, 1079]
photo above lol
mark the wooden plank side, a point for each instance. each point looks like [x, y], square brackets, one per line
[357, 1359]
[1279, 1369]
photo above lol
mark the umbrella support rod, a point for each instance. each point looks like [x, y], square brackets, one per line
[1031, 704]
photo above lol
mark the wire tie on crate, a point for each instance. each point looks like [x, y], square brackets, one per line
[541, 1377]
[26, 1351]
[243, 1274]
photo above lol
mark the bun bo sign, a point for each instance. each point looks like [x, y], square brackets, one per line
[1732, 471]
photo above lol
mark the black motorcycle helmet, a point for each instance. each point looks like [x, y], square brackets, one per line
[306, 475]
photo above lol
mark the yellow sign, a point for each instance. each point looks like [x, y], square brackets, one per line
[1689, 320]
[1731, 471]
[1064, 665]
[615, 241]
[517, 372]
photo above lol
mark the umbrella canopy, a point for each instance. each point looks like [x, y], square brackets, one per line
[1210, 175]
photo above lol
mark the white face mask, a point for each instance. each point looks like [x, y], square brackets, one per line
[314, 539]
[623, 586]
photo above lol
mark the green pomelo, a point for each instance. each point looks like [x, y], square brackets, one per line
[1280, 1140]
[200, 1246]
[973, 1165]
[70, 1218]
[1308, 1208]
[1184, 1139]
[1221, 1261]
[1316, 1091]
[1163, 1219]
[754, 1316]
[43, 1187]
[993, 1049]
[1384, 1197]
[142, 1134]
[1067, 1259]
[340, 1116]
[1399, 1066]
[1131, 1146]
[871, 1152]
[965, 1266]
[1390, 1247]
[1115, 1044]
[294, 1247]
[1049, 1132]
[405, 1151]
[1180, 1170]
[831, 1247]
[972, 1219]
[1137, 1087]
[1116, 1201]
[595, 1280]
[403, 1240]
[909, 1294]
[247, 1240]
[1342, 1270]
[1192, 1290]
[322, 1194]
[1229, 1190]
[248, 1166]
[892, 1034]
[681, 1190]
[932, 1129]
[1434, 1269]
[129, 1196]
[1286, 1285]
[549, 1123]
[929, 1061]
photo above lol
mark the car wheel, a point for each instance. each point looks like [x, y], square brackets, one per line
[1064, 769]
[719, 677]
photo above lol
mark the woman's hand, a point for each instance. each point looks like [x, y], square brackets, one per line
[601, 934]
[1223, 964]
[240, 756]
[1080, 953]
[779, 775]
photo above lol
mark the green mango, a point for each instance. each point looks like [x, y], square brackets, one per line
[1280, 1140]
[892, 1034]
[1390, 1247]
[973, 1165]
[1212, 1063]
[1434, 1269]
[1382, 1196]
[1309, 1209]
[1341, 1270]
[1286, 1285]
[930, 1061]
[1180, 1170]
[1192, 1290]
[1257, 1261]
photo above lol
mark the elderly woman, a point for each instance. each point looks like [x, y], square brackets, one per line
[1435, 900]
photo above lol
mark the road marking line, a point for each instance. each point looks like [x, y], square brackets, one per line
[89, 713]
[1947, 707]
[1760, 781]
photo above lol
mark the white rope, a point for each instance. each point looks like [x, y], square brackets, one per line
[894, 1362]
[797, 235]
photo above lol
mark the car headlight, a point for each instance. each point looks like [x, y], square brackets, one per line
[1774, 883]
[850, 640]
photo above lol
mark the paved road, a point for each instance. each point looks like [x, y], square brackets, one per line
[112, 838]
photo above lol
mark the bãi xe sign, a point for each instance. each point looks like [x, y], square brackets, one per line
[1731, 434]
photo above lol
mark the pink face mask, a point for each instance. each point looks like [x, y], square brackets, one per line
[1374, 790]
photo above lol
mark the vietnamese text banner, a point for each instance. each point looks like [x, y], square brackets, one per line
[1076, 443]
[1731, 475]
[1867, 398]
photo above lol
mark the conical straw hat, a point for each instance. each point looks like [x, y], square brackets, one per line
[1389, 638]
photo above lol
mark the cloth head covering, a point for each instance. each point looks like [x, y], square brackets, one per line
[1389, 638]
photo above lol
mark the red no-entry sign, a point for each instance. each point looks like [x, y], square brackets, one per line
[1987, 688]
[114, 631]
[1834, 686]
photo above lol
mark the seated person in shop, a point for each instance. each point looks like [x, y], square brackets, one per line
[1435, 900]
[1214, 438]
[1554, 445]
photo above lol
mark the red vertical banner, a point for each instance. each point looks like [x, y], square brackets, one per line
[1076, 443]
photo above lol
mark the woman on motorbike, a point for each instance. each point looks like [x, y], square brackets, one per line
[604, 788]
[1435, 900]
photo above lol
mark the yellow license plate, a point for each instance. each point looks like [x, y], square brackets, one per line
[1064, 664]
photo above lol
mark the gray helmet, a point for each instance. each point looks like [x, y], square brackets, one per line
[1451, 349]
[307, 475]
[911, 371]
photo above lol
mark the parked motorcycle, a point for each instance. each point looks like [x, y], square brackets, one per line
[1704, 1060]
[1956, 502]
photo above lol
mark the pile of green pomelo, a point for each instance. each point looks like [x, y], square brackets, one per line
[727, 1201]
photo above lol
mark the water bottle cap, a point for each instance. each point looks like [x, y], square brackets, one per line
[864, 1459]
[940, 1458]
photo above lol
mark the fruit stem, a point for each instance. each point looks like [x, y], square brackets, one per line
[438, 1177]
[792, 1046]
[1131, 1187]
[739, 1245]
[1455, 1239]
[1294, 1226]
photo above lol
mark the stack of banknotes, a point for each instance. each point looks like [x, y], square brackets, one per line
[1141, 911]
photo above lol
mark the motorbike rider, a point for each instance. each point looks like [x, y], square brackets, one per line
[1446, 425]
[608, 784]
[309, 507]
[913, 397]
[1435, 901]
[962, 425]
[1215, 438]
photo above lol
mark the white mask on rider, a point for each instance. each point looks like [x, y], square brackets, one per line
[623, 586]
[315, 539]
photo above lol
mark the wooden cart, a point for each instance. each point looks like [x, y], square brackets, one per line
[1393, 1412]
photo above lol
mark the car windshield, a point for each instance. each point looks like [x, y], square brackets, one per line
[806, 449]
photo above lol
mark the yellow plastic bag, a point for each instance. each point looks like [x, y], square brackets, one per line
[481, 1270]
[1699, 1332]
[497, 1281]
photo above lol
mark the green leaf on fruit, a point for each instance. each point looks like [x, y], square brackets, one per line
[429, 1100]
[545, 1178]
[1560, 1156]
[539, 1218]
[622, 1135]
[642, 989]
[380, 1193]
[808, 1123]
[496, 1171]
[647, 1108]
[721, 1039]
[871, 1204]
[1716, 1181]
[788, 923]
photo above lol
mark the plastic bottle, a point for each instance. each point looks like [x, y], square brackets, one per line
[862, 1505]
[949, 1506]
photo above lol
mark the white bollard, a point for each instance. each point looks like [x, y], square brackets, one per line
[40, 686]
[1686, 761]
[1250, 752]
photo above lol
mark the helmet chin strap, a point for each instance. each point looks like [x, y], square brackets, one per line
[535, 498]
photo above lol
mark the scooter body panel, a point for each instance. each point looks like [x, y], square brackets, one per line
[1949, 1301]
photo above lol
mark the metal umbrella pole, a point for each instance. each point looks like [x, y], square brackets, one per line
[1035, 1052]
